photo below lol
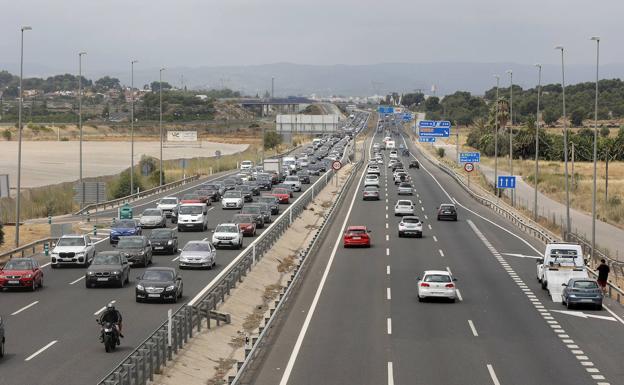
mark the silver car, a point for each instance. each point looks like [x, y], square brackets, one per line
[404, 207]
[370, 193]
[198, 254]
[405, 188]
[153, 218]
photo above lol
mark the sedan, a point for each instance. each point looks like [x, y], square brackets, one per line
[447, 211]
[198, 254]
[404, 207]
[405, 188]
[282, 194]
[371, 180]
[246, 223]
[437, 284]
[159, 283]
[370, 193]
[304, 176]
[357, 236]
[272, 201]
[108, 267]
[153, 218]
[582, 291]
[164, 241]
[410, 226]
[21, 273]
[137, 249]
[256, 213]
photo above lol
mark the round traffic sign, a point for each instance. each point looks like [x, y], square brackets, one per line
[469, 167]
[336, 165]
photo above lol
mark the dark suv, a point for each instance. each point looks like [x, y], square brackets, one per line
[256, 212]
[447, 211]
[137, 249]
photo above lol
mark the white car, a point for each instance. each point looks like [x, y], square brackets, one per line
[404, 207]
[200, 254]
[153, 218]
[400, 176]
[232, 200]
[409, 226]
[73, 250]
[373, 169]
[371, 180]
[228, 235]
[294, 182]
[437, 284]
[405, 188]
[168, 205]
[394, 154]
[246, 165]
[392, 162]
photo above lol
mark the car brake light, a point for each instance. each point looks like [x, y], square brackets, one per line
[449, 285]
[424, 284]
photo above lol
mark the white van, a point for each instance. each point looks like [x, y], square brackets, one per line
[192, 216]
[390, 145]
[246, 165]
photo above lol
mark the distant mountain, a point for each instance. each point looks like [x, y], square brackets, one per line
[356, 80]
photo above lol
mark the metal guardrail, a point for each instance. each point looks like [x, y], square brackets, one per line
[154, 352]
[532, 228]
[32, 247]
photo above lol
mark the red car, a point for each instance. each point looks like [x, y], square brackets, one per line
[357, 236]
[21, 272]
[246, 223]
[191, 198]
[282, 194]
[204, 196]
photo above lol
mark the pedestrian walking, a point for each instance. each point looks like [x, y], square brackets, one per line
[603, 275]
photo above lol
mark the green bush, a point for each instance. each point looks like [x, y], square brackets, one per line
[604, 132]
[271, 140]
[121, 187]
[6, 134]
[441, 152]
[1, 234]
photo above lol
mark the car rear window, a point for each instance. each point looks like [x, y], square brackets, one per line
[357, 231]
[411, 220]
[404, 203]
[437, 278]
[585, 285]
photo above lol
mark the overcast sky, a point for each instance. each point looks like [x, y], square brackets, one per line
[194, 33]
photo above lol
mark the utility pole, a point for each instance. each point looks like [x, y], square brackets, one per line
[537, 122]
[573, 175]
[132, 125]
[457, 144]
[272, 87]
[510, 72]
[496, 139]
[19, 135]
[568, 227]
[594, 212]
[80, 54]
[161, 128]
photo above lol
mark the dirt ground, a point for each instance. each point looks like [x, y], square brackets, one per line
[28, 233]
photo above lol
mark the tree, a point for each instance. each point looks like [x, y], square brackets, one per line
[6, 134]
[413, 99]
[550, 116]
[1, 234]
[155, 86]
[107, 83]
[604, 132]
[121, 187]
[272, 139]
[576, 117]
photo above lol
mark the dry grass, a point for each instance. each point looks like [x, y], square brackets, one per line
[28, 233]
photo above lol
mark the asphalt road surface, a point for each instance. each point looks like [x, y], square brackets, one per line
[356, 318]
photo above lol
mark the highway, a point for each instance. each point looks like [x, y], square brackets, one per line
[356, 318]
[52, 336]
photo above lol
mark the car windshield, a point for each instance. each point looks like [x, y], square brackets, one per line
[71, 241]
[127, 224]
[585, 285]
[226, 229]
[160, 234]
[232, 194]
[106, 259]
[411, 220]
[18, 265]
[157, 275]
[191, 210]
[371, 188]
[197, 246]
[437, 278]
[168, 201]
[152, 213]
[130, 243]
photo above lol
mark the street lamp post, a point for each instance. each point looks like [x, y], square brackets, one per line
[510, 72]
[132, 125]
[19, 141]
[496, 138]
[161, 129]
[537, 122]
[594, 213]
[80, 55]
[565, 145]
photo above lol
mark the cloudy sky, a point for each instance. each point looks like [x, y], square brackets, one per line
[194, 33]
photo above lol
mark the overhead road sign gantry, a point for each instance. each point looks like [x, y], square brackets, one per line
[506, 181]
[469, 157]
[440, 129]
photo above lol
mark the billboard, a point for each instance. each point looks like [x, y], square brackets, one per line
[182, 136]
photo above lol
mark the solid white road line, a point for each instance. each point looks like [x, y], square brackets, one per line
[78, 280]
[435, 239]
[613, 314]
[35, 354]
[493, 374]
[472, 328]
[441, 252]
[390, 374]
[45, 264]
[24, 308]
[389, 325]
[319, 290]
[388, 293]
[103, 308]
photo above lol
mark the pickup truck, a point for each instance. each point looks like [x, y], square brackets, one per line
[561, 262]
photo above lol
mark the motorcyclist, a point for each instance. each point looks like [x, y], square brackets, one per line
[113, 316]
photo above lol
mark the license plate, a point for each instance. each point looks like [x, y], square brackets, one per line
[154, 295]
[188, 224]
[158, 248]
[14, 282]
[586, 300]
[102, 279]
[356, 238]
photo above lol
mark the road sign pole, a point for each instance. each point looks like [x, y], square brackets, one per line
[457, 144]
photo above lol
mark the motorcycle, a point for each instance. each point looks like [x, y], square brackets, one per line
[108, 335]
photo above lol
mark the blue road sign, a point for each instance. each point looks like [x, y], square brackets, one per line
[427, 139]
[469, 157]
[407, 117]
[440, 129]
[506, 181]
[385, 109]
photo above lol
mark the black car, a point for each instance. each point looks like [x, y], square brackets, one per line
[264, 183]
[246, 191]
[414, 164]
[447, 211]
[256, 212]
[254, 186]
[272, 201]
[164, 241]
[108, 268]
[160, 284]
[304, 176]
[229, 184]
[137, 249]
[265, 209]
[212, 192]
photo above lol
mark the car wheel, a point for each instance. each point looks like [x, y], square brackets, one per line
[420, 299]
[138, 300]
[453, 300]
[34, 285]
[175, 298]
[544, 284]
[400, 235]
[438, 217]
[128, 278]
[54, 266]
[2, 349]
[88, 285]
[121, 283]
[41, 282]
[599, 306]
[569, 306]
[180, 230]
[563, 302]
